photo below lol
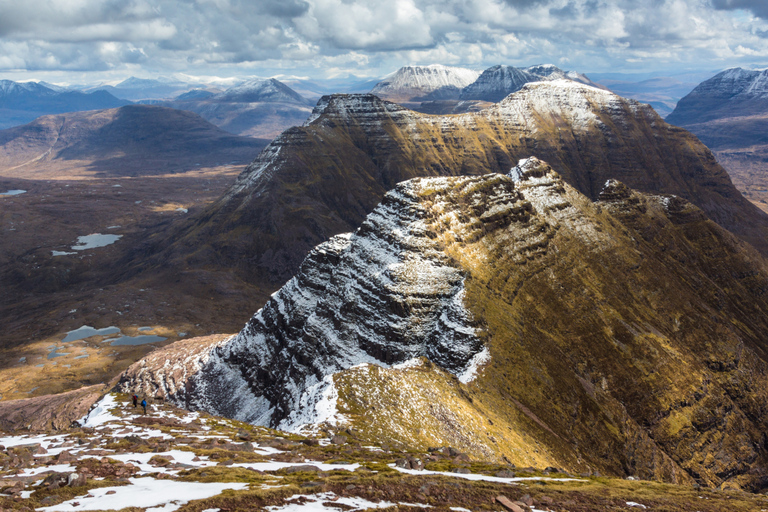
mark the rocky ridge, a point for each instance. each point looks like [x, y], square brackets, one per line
[572, 326]
[293, 193]
[115, 457]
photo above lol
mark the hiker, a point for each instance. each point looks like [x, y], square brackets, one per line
[144, 405]
[135, 401]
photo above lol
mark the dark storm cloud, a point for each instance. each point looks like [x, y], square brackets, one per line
[758, 7]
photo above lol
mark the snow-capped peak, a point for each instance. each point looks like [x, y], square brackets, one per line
[258, 90]
[425, 79]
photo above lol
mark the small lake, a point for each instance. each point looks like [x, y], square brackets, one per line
[12, 193]
[137, 340]
[57, 354]
[94, 240]
[87, 331]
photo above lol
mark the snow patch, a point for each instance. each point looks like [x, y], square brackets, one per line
[100, 414]
[479, 360]
[142, 493]
[317, 503]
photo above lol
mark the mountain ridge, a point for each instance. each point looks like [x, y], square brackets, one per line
[536, 269]
[588, 134]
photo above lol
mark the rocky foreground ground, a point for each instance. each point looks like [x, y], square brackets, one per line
[171, 459]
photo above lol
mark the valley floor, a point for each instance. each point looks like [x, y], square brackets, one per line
[171, 459]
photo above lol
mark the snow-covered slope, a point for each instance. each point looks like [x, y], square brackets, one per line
[269, 90]
[497, 82]
[732, 93]
[413, 83]
[9, 87]
[383, 295]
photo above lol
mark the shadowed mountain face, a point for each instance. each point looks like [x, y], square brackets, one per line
[321, 179]
[626, 335]
[128, 141]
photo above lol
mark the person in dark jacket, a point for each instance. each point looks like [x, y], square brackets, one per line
[144, 405]
[135, 401]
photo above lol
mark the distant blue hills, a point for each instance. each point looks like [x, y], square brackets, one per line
[21, 103]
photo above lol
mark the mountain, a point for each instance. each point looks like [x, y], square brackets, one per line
[146, 88]
[261, 91]
[21, 103]
[420, 83]
[734, 92]
[729, 113]
[321, 179]
[127, 141]
[257, 108]
[441, 90]
[498, 82]
[517, 320]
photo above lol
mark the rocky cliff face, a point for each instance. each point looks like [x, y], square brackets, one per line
[321, 179]
[624, 335]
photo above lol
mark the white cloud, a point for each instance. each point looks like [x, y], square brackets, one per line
[210, 36]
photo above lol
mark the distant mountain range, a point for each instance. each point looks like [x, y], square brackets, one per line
[21, 103]
[133, 140]
[257, 108]
[438, 89]
[661, 92]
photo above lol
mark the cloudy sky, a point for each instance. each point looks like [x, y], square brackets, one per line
[86, 40]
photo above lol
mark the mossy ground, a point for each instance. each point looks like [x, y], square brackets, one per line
[375, 479]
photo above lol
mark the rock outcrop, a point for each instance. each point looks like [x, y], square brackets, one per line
[625, 335]
[49, 412]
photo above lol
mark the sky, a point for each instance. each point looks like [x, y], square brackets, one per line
[81, 41]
